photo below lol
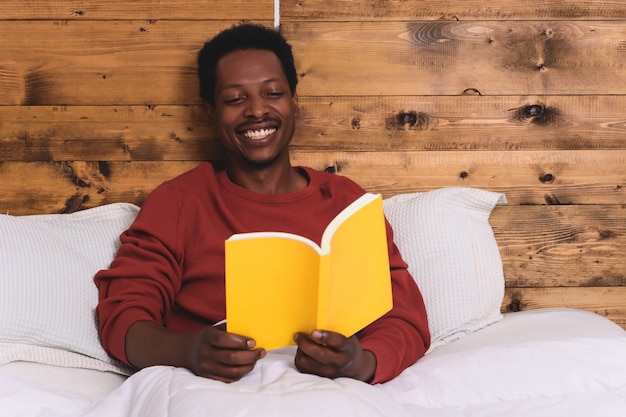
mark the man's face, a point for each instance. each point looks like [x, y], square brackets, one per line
[254, 110]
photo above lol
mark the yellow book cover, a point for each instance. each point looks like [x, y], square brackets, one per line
[279, 283]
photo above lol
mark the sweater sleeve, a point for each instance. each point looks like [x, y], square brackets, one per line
[144, 278]
[401, 336]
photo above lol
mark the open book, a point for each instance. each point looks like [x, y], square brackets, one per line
[278, 283]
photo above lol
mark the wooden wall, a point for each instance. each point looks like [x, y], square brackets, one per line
[99, 103]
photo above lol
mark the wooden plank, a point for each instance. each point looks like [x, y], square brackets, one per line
[562, 245]
[461, 122]
[450, 57]
[57, 133]
[607, 302]
[350, 10]
[102, 62]
[146, 9]
[107, 133]
[64, 187]
[527, 177]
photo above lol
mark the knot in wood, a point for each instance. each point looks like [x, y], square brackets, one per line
[606, 234]
[407, 118]
[515, 305]
[547, 178]
[534, 110]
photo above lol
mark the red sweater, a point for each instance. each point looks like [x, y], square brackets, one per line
[170, 267]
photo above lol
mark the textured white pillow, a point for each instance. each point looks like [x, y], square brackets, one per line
[47, 294]
[445, 237]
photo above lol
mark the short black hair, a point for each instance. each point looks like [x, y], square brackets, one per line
[241, 37]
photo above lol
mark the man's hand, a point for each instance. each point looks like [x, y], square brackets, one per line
[333, 355]
[223, 356]
[211, 353]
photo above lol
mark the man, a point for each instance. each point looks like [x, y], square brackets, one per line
[165, 289]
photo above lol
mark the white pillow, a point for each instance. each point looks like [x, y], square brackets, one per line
[47, 294]
[445, 237]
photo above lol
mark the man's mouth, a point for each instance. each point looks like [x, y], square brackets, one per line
[259, 134]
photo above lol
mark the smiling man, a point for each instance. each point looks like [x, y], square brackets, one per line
[164, 291]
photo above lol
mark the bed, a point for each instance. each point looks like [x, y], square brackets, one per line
[542, 362]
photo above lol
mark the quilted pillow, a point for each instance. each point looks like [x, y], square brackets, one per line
[445, 237]
[47, 294]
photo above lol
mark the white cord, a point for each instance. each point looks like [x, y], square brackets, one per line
[276, 14]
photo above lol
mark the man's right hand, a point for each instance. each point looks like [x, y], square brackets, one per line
[211, 353]
[224, 356]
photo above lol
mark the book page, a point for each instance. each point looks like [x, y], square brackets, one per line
[359, 285]
[271, 289]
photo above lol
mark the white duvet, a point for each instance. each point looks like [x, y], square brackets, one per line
[551, 363]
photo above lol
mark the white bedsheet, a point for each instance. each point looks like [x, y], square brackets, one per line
[548, 363]
[32, 389]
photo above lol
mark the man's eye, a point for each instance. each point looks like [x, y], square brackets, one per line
[233, 100]
[275, 94]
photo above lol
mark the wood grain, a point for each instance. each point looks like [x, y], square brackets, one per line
[527, 177]
[461, 122]
[551, 246]
[146, 9]
[350, 10]
[110, 133]
[607, 302]
[450, 57]
[102, 62]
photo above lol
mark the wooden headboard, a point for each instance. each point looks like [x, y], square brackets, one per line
[99, 104]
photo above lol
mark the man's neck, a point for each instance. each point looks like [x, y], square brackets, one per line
[269, 180]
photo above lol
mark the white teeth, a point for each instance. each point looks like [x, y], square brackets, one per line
[259, 134]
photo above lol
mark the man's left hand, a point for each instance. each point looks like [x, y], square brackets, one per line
[333, 355]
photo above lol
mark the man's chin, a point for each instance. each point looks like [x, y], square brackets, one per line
[260, 163]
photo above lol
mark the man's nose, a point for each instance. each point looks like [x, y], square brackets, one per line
[257, 107]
